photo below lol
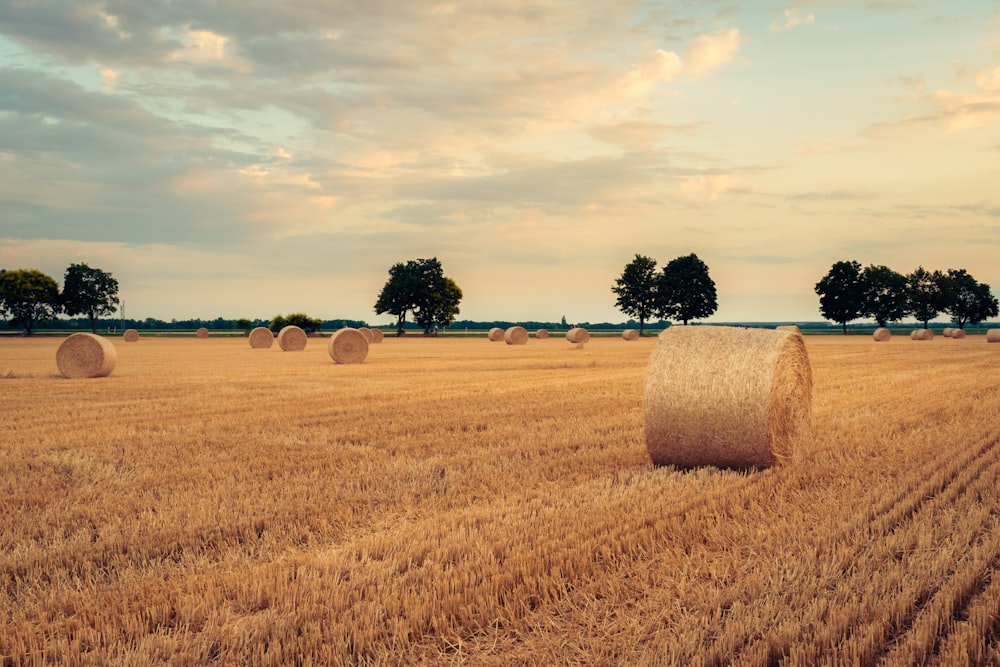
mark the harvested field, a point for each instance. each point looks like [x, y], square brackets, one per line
[449, 502]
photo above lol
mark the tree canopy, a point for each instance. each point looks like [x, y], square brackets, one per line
[420, 287]
[685, 291]
[28, 296]
[925, 294]
[968, 301]
[636, 289]
[884, 296]
[300, 320]
[88, 291]
[841, 293]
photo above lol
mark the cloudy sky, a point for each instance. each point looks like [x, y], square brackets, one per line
[244, 158]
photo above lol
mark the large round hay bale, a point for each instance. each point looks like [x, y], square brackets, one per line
[495, 335]
[348, 346]
[515, 335]
[202, 332]
[630, 334]
[130, 336]
[947, 331]
[727, 397]
[261, 338]
[377, 335]
[993, 336]
[922, 334]
[794, 328]
[882, 334]
[958, 333]
[367, 333]
[85, 355]
[577, 335]
[542, 333]
[292, 338]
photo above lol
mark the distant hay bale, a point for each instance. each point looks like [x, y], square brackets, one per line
[542, 333]
[958, 333]
[630, 334]
[130, 335]
[367, 333]
[292, 338]
[882, 334]
[577, 335]
[922, 334]
[794, 328]
[993, 336]
[947, 331]
[377, 336]
[85, 355]
[261, 338]
[727, 396]
[496, 334]
[515, 336]
[202, 332]
[348, 346]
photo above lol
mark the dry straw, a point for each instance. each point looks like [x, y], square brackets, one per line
[85, 355]
[947, 332]
[630, 334]
[993, 336]
[515, 336]
[292, 338]
[577, 335]
[377, 336]
[727, 396]
[202, 332]
[958, 333]
[348, 346]
[130, 335]
[496, 334]
[794, 328]
[542, 333]
[882, 334]
[261, 338]
[367, 333]
[922, 334]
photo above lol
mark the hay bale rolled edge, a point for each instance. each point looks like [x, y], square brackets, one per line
[794, 328]
[993, 336]
[130, 336]
[292, 338]
[377, 336]
[86, 355]
[495, 335]
[542, 333]
[261, 338]
[727, 396]
[921, 334]
[577, 335]
[515, 335]
[348, 346]
[958, 334]
[630, 334]
[947, 331]
[882, 334]
[367, 333]
[202, 332]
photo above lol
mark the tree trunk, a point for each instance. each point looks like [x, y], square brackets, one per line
[844, 324]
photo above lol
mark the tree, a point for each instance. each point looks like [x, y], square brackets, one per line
[968, 301]
[685, 291]
[28, 296]
[90, 292]
[244, 324]
[419, 286]
[636, 289]
[884, 294]
[300, 320]
[841, 294]
[925, 294]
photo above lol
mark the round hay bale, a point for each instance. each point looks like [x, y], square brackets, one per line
[348, 346]
[202, 332]
[261, 338]
[377, 336]
[367, 333]
[947, 331]
[993, 336]
[727, 396]
[85, 355]
[958, 333]
[881, 334]
[130, 335]
[794, 328]
[577, 335]
[630, 334]
[292, 338]
[516, 336]
[922, 334]
[542, 333]
[496, 334]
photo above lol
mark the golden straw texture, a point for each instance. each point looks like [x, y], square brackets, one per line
[958, 333]
[993, 336]
[377, 336]
[794, 328]
[85, 355]
[261, 338]
[542, 333]
[882, 334]
[202, 332]
[947, 331]
[922, 334]
[130, 336]
[292, 338]
[496, 334]
[367, 333]
[515, 336]
[630, 334]
[348, 346]
[577, 335]
[727, 396]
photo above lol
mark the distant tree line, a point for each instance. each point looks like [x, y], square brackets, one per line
[848, 292]
[681, 291]
[28, 296]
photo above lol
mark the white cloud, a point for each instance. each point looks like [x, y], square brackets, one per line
[709, 52]
[792, 18]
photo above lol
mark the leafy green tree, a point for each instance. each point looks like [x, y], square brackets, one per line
[636, 289]
[419, 286]
[685, 291]
[841, 293]
[968, 301]
[90, 292]
[884, 294]
[244, 324]
[28, 296]
[300, 320]
[925, 294]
